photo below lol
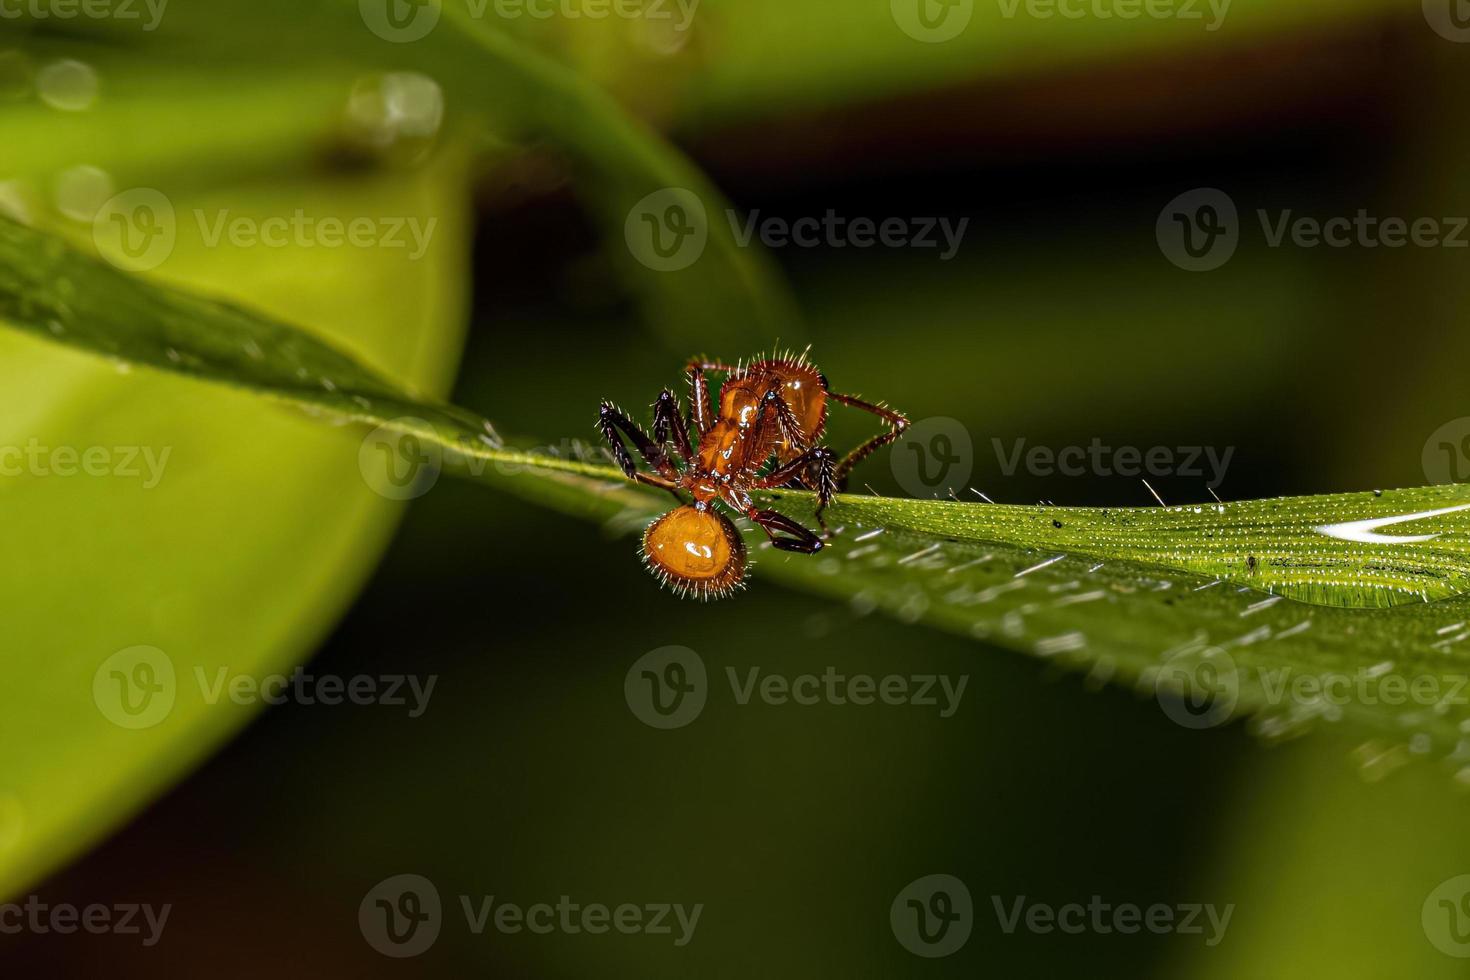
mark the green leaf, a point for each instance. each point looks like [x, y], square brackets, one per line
[1259, 598]
[147, 555]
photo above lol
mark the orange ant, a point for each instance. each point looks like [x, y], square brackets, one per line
[770, 412]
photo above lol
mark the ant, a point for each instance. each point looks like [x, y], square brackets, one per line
[769, 412]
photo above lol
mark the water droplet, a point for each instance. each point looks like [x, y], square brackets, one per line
[68, 85]
[81, 191]
[1376, 761]
[385, 109]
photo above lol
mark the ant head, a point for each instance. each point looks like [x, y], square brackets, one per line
[695, 551]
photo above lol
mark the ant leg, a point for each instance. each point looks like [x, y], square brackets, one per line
[610, 420]
[897, 424]
[667, 420]
[660, 482]
[819, 458]
[701, 413]
[801, 540]
[785, 419]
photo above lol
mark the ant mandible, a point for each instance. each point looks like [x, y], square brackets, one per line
[770, 412]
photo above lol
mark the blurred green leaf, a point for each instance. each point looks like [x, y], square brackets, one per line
[645, 193]
[130, 591]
